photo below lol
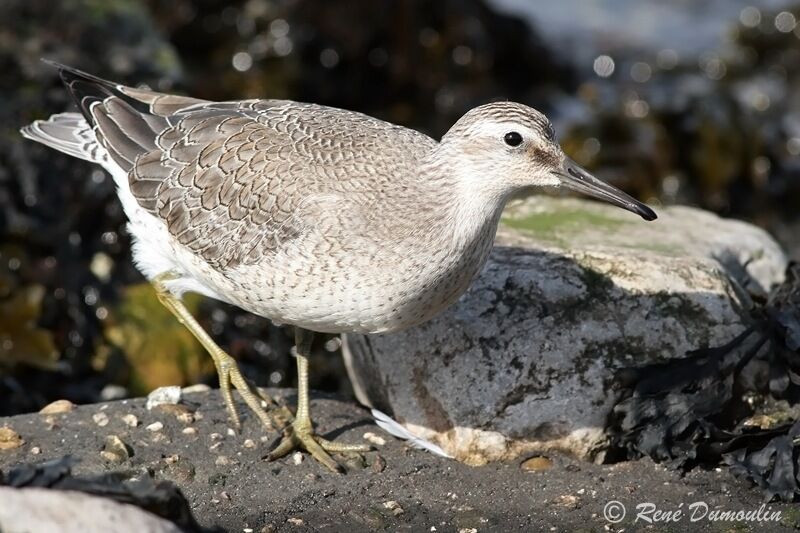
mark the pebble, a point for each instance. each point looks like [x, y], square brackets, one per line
[130, 420]
[295, 521]
[57, 407]
[9, 439]
[36, 450]
[216, 436]
[189, 431]
[113, 392]
[394, 507]
[222, 460]
[163, 396]
[200, 387]
[180, 412]
[101, 419]
[231, 432]
[374, 439]
[178, 469]
[537, 463]
[379, 464]
[297, 457]
[567, 500]
[115, 450]
[155, 426]
[249, 443]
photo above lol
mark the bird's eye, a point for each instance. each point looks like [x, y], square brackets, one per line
[512, 138]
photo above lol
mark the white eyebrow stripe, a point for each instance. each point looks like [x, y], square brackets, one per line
[499, 129]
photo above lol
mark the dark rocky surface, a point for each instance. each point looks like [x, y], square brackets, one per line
[393, 488]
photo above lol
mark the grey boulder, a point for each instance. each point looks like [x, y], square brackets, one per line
[574, 290]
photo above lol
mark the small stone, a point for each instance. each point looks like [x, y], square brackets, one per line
[9, 439]
[231, 432]
[269, 528]
[249, 443]
[57, 407]
[101, 419]
[222, 460]
[162, 396]
[178, 469]
[394, 507]
[189, 431]
[379, 464]
[297, 458]
[155, 426]
[374, 439]
[567, 500]
[216, 436]
[179, 411]
[225, 496]
[36, 450]
[200, 387]
[113, 392]
[537, 463]
[295, 521]
[115, 450]
[50, 422]
[468, 530]
[130, 420]
[354, 461]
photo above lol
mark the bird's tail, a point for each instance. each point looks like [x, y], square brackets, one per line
[69, 133]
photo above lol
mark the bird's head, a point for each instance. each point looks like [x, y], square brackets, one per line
[501, 148]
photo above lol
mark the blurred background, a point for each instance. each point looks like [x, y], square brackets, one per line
[676, 101]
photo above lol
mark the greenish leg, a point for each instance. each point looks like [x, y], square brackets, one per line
[227, 369]
[301, 433]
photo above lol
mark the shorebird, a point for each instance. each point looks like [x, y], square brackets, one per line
[320, 218]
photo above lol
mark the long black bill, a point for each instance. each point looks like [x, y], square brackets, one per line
[574, 177]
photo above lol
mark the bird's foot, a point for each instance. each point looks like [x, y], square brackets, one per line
[278, 416]
[300, 435]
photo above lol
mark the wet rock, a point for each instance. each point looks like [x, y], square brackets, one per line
[525, 361]
[57, 407]
[37, 509]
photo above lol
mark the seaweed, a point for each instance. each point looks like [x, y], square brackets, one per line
[691, 411]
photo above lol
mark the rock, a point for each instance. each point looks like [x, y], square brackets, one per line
[37, 509]
[57, 407]
[575, 290]
[164, 396]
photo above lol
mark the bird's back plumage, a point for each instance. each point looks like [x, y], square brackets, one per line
[286, 209]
